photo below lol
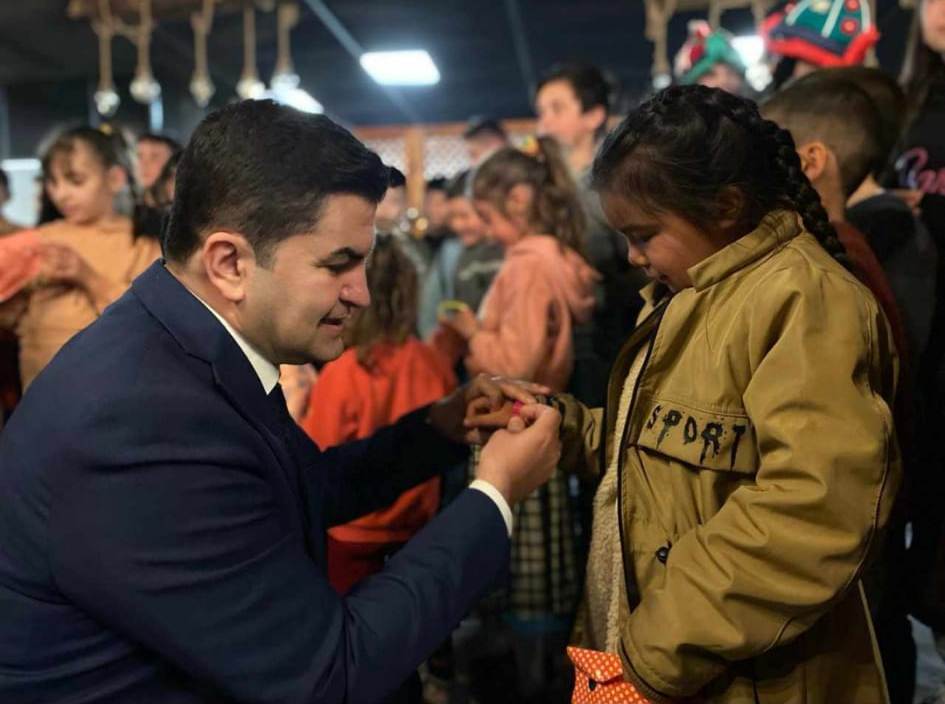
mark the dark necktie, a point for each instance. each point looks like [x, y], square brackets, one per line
[281, 409]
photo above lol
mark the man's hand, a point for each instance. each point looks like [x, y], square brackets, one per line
[519, 460]
[448, 414]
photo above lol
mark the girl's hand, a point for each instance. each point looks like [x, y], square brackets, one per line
[450, 415]
[63, 265]
[462, 321]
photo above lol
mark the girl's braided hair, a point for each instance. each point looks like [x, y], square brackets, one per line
[686, 146]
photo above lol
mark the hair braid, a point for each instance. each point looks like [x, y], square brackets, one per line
[804, 198]
[795, 187]
[685, 146]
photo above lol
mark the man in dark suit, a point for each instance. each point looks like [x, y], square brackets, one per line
[162, 520]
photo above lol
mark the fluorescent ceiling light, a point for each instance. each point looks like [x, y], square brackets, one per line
[401, 68]
[296, 98]
[751, 48]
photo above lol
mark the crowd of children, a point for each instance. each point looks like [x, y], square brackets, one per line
[738, 303]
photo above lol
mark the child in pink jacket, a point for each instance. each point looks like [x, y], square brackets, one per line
[529, 205]
[545, 285]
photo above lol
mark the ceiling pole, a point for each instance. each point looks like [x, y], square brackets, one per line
[201, 85]
[715, 14]
[106, 98]
[658, 14]
[758, 11]
[522, 53]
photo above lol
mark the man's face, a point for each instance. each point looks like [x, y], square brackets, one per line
[390, 211]
[932, 21]
[151, 159]
[802, 68]
[435, 208]
[723, 76]
[297, 308]
[561, 116]
[465, 221]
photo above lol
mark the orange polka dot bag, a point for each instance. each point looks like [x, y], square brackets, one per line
[598, 679]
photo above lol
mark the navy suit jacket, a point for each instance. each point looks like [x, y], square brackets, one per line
[162, 536]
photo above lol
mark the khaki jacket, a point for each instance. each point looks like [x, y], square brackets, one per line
[758, 467]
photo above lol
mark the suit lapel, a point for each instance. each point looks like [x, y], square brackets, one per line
[201, 335]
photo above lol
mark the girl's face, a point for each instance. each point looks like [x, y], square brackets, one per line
[510, 224]
[499, 227]
[81, 187]
[665, 246]
[932, 21]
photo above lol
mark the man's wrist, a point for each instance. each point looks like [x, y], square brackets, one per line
[499, 498]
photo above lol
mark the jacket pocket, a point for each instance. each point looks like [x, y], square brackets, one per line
[720, 441]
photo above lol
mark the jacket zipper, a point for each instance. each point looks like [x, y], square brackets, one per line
[632, 594]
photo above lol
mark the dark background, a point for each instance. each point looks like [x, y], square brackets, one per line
[49, 63]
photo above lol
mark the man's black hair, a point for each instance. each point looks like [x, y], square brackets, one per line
[588, 82]
[397, 178]
[458, 186]
[167, 141]
[437, 183]
[480, 126]
[264, 170]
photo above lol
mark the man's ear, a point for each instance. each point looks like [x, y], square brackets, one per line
[229, 263]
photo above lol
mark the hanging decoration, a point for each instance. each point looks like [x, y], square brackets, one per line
[284, 78]
[144, 88]
[249, 86]
[106, 98]
[201, 85]
[660, 12]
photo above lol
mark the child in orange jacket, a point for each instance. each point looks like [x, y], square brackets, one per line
[386, 373]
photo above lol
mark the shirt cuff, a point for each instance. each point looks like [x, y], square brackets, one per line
[497, 498]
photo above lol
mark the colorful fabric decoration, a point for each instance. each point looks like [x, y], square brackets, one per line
[822, 32]
[703, 50]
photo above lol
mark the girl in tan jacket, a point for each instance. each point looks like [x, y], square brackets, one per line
[88, 252]
[747, 452]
